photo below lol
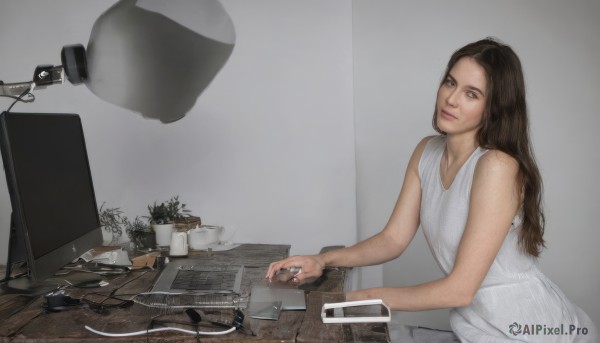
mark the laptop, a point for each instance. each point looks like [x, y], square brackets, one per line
[186, 276]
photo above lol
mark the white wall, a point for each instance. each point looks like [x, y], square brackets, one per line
[268, 150]
[400, 50]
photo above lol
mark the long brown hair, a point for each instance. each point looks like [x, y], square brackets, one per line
[505, 127]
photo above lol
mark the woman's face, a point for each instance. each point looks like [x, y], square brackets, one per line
[461, 98]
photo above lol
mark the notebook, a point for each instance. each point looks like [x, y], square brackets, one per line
[185, 276]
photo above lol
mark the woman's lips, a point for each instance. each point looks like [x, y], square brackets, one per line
[448, 115]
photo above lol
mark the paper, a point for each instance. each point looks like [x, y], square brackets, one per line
[146, 260]
[107, 255]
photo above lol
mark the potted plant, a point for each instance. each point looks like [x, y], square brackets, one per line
[140, 233]
[163, 216]
[113, 221]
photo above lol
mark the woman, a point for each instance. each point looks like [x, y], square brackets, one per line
[475, 190]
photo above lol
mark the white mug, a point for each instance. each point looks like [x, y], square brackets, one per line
[214, 233]
[179, 245]
[204, 237]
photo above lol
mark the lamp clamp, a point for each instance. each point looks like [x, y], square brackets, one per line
[74, 67]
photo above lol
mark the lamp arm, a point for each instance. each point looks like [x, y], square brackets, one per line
[75, 68]
[43, 76]
[16, 89]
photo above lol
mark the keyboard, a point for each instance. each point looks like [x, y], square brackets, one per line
[203, 280]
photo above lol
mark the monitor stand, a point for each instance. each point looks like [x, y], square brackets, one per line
[16, 279]
[26, 286]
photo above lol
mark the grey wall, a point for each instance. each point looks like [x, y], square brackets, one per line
[269, 149]
[400, 50]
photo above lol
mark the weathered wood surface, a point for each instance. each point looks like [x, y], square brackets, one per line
[23, 319]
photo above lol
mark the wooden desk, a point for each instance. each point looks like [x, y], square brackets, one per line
[23, 319]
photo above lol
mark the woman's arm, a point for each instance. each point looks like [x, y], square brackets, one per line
[495, 199]
[384, 246]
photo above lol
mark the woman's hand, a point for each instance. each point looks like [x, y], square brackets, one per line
[310, 266]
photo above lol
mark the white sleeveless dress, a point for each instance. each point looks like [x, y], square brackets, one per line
[516, 302]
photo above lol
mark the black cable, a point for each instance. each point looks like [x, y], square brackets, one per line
[16, 97]
[100, 306]
[20, 98]
[128, 282]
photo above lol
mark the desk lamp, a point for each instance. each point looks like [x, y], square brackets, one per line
[151, 56]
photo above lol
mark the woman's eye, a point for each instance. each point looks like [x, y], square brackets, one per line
[449, 82]
[472, 95]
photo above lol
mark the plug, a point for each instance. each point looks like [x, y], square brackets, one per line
[238, 320]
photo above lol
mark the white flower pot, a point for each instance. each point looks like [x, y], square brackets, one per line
[163, 233]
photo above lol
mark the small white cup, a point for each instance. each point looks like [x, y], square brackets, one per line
[214, 233]
[179, 244]
[204, 237]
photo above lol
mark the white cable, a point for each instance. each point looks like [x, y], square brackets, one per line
[137, 333]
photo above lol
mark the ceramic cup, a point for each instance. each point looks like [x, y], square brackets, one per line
[205, 236]
[214, 233]
[179, 244]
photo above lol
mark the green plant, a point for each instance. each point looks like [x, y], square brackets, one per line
[167, 212]
[113, 221]
[137, 229]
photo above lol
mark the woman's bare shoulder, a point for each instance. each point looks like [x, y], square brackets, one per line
[416, 155]
[497, 162]
[423, 142]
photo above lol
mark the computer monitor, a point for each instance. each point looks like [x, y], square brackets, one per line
[54, 212]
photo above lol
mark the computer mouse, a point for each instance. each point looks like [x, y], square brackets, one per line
[286, 274]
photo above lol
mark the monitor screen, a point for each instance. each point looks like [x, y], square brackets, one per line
[54, 211]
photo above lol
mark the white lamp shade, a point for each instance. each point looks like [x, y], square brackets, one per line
[156, 57]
